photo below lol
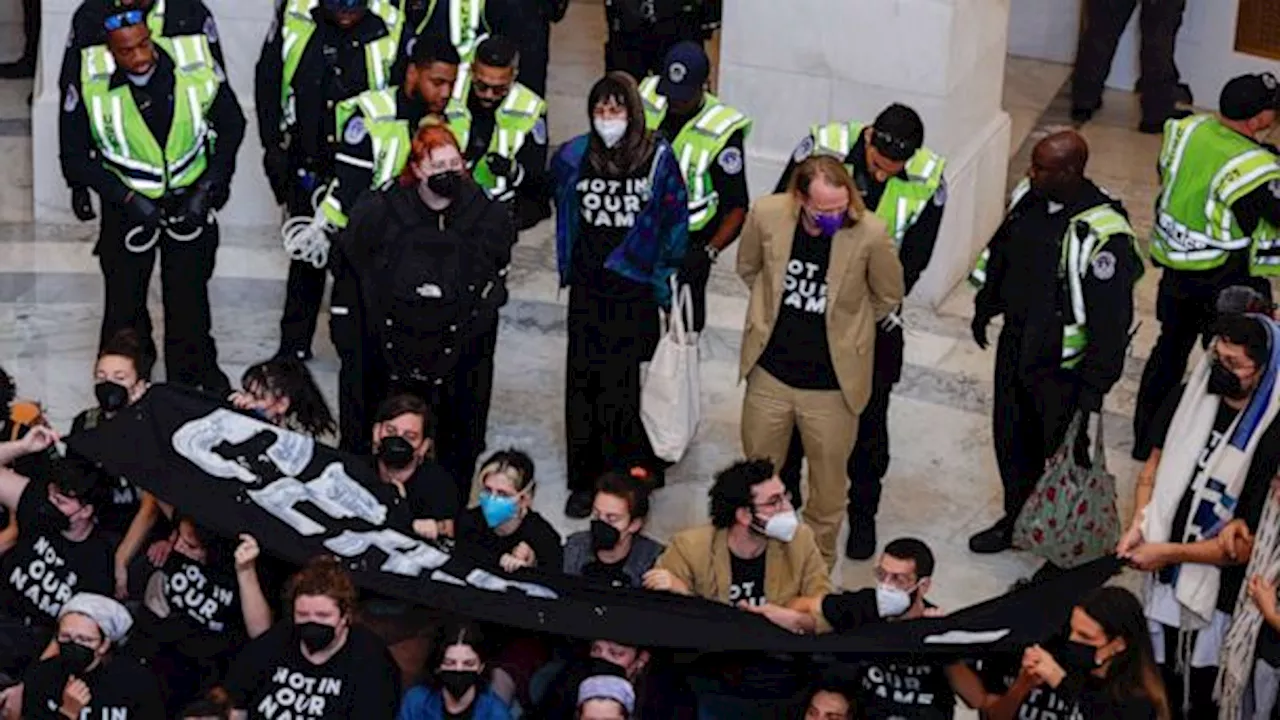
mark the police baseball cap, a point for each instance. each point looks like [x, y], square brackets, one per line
[684, 72]
[1245, 96]
[897, 133]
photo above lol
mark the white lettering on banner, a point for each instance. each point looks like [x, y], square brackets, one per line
[334, 492]
[611, 203]
[803, 289]
[39, 582]
[196, 440]
[405, 555]
[297, 696]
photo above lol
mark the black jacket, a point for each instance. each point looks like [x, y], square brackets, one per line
[1024, 286]
[413, 285]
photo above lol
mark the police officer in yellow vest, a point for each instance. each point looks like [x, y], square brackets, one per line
[903, 181]
[1060, 269]
[501, 127]
[138, 129]
[1217, 224]
[166, 18]
[379, 129]
[317, 54]
[464, 23]
[707, 137]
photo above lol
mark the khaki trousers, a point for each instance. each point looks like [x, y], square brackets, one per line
[827, 430]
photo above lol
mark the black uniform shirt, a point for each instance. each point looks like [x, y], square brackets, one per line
[918, 242]
[728, 175]
[331, 69]
[80, 157]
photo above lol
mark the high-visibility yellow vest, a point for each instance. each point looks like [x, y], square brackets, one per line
[1078, 254]
[1205, 168]
[466, 26]
[299, 26]
[514, 120]
[127, 146]
[903, 201]
[697, 146]
[390, 136]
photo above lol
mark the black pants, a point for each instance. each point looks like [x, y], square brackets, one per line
[535, 55]
[31, 27]
[1030, 416]
[190, 355]
[1105, 21]
[608, 339]
[641, 53]
[1185, 307]
[460, 403]
[304, 290]
[869, 461]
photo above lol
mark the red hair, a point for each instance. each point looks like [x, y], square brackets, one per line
[431, 136]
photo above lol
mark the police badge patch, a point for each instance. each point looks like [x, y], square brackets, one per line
[1274, 187]
[731, 161]
[211, 30]
[540, 131]
[677, 72]
[1104, 265]
[940, 195]
[355, 132]
[71, 100]
[803, 150]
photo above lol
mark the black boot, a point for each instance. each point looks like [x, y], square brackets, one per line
[23, 67]
[995, 539]
[861, 544]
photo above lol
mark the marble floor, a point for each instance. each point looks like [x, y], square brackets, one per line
[942, 485]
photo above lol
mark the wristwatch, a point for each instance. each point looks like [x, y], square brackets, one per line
[713, 252]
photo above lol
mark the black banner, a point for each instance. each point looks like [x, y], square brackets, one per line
[235, 473]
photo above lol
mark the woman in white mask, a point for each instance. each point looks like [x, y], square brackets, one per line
[621, 232]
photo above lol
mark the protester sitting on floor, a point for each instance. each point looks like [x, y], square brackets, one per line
[283, 392]
[614, 551]
[84, 677]
[660, 694]
[456, 684]
[830, 698]
[420, 495]
[504, 528]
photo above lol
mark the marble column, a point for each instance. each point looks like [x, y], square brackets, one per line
[242, 25]
[792, 64]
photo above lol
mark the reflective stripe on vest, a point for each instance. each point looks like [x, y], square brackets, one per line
[121, 134]
[978, 276]
[903, 201]
[296, 32]
[513, 121]
[696, 146]
[1206, 168]
[465, 19]
[155, 19]
[390, 139]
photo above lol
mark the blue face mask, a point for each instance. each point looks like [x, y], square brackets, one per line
[497, 510]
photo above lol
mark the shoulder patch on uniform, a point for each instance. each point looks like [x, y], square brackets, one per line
[1104, 265]
[803, 150]
[1274, 187]
[540, 131]
[210, 29]
[71, 36]
[409, 46]
[940, 195]
[731, 160]
[219, 73]
[355, 132]
[71, 100]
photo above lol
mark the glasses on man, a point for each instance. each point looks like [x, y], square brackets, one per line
[124, 19]
[899, 580]
[780, 501]
[485, 88]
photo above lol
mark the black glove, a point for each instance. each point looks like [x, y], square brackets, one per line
[696, 267]
[276, 164]
[502, 167]
[82, 204]
[198, 204]
[143, 211]
[1090, 400]
[979, 329]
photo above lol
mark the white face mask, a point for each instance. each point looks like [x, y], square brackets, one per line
[782, 527]
[610, 130]
[891, 601]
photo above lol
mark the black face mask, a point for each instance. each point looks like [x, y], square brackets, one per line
[445, 184]
[458, 682]
[604, 536]
[53, 519]
[75, 658]
[1077, 657]
[315, 636]
[111, 396]
[395, 452]
[1225, 383]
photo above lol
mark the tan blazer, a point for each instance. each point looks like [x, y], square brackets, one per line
[864, 284]
[699, 557]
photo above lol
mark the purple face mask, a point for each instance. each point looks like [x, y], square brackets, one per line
[829, 223]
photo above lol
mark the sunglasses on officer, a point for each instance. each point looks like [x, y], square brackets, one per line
[124, 19]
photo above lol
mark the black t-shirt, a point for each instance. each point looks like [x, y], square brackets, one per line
[124, 498]
[1043, 703]
[205, 618]
[905, 690]
[798, 353]
[608, 208]
[611, 574]
[272, 680]
[121, 689]
[542, 538]
[44, 569]
[747, 584]
[1249, 506]
[430, 494]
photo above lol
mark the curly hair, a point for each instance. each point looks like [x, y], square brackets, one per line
[324, 575]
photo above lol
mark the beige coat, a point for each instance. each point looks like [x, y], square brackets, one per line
[699, 557]
[864, 284]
